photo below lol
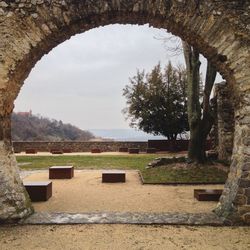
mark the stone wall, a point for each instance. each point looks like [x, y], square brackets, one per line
[219, 29]
[14, 201]
[84, 146]
[225, 121]
[104, 146]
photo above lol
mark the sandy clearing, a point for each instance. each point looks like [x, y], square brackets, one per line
[112, 237]
[86, 193]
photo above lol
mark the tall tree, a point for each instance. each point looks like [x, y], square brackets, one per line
[200, 115]
[156, 102]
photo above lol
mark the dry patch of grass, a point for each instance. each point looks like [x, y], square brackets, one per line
[184, 173]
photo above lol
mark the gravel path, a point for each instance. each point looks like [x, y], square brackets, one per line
[113, 237]
[86, 193]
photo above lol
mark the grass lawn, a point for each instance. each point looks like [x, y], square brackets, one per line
[154, 175]
[169, 174]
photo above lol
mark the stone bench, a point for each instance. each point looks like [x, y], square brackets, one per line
[67, 150]
[113, 176]
[56, 151]
[133, 150]
[95, 150]
[151, 150]
[30, 151]
[39, 190]
[61, 172]
[123, 150]
[207, 194]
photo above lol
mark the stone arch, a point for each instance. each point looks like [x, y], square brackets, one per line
[220, 30]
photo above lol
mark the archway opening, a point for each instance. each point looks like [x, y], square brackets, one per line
[216, 29]
[60, 90]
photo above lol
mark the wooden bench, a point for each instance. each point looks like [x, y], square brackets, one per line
[39, 190]
[95, 150]
[123, 150]
[151, 150]
[207, 194]
[30, 151]
[61, 172]
[112, 176]
[133, 150]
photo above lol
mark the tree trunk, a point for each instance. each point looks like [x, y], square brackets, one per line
[208, 113]
[196, 146]
[196, 151]
[200, 123]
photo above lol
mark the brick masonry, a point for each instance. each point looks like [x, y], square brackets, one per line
[219, 29]
[223, 133]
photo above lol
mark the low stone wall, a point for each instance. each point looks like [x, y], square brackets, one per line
[104, 146]
[77, 146]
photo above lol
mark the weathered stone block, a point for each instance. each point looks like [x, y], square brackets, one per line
[247, 218]
[123, 149]
[151, 150]
[244, 209]
[240, 200]
[39, 191]
[207, 194]
[61, 172]
[246, 166]
[113, 176]
[56, 152]
[244, 183]
[30, 151]
[67, 150]
[95, 150]
[133, 150]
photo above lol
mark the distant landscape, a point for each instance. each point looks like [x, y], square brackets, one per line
[124, 134]
[29, 127]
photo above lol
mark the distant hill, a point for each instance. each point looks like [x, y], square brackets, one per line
[28, 127]
[125, 134]
[129, 135]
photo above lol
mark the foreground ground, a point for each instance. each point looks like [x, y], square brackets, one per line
[91, 195]
[112, 237]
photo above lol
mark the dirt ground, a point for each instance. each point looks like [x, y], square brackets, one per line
[86, 193]
[112, 237]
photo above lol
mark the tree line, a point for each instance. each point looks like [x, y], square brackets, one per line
[30, 127]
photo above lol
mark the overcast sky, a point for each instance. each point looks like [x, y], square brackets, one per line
[81, 80]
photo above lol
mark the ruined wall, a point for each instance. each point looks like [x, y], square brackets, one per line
[225, 121]
[14, 201]
[220, 30]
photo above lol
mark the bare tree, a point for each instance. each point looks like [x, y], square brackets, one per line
[200, 115]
